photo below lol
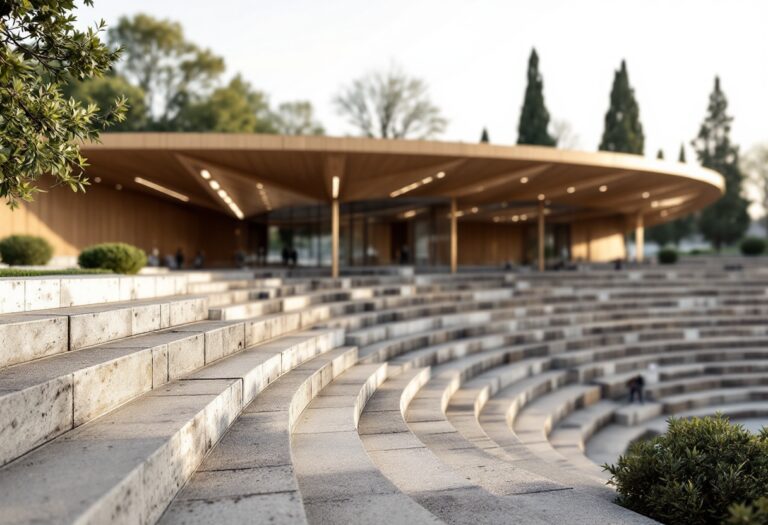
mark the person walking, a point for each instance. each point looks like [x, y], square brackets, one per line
[636, 386]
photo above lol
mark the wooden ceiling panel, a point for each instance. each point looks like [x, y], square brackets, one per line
[292, 171]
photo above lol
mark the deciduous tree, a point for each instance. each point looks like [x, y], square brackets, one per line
[172, 71]
[234, 108]
[297, 118]
[755, 165]
[390, 105]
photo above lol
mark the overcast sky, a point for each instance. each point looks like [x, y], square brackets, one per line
[473, 54]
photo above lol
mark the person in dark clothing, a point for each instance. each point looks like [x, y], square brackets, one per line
[294, 257]
[405, 254]
[286, 254]
[179, 258]
[636, 386]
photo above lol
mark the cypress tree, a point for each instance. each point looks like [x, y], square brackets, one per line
[681, 157]
[484, 139]
[534, 117]
[660, 154]
[726, 220]
[623, 130]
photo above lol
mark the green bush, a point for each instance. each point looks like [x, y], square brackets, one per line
[752, 246]
[754, 514]
[667, 256]
[118, 257]
[25, 250]
[703, 470]
[16, 272]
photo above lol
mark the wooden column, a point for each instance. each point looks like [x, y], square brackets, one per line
[335, 238]
[639, 237]
[540, 237]
[454, 237]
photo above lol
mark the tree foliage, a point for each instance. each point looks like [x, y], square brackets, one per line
[673, 232]
[726, 220]
[564, 135]
[623, 131]
[173, 84]
[103, 90]
[172, 71]
[297, 118]
[390, 105]
[235, 108]
[40, 48]
[484, 137]
[534, 117]
[755, 165]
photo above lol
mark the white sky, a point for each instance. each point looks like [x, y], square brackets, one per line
[473, 54]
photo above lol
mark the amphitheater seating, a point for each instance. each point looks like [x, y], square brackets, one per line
[479, 397]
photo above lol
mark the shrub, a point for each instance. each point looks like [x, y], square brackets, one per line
[118, 257]
[25, 250]
[755, 514]
[18, 272]
[667, 256]
[695, 473]
[752, 246]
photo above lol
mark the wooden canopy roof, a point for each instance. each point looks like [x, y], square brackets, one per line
[254, 174]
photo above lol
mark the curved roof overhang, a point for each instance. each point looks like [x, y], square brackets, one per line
[260, 173]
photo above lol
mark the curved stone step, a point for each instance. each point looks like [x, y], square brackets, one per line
[24, 294]
[147, 449]
[28, 336]
[250, 471]
[571, 434]
[337, 480]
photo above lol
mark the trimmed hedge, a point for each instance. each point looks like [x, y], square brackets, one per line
[752, 246]
[16, 272]
[667, 256]
[117, 257]
[25, 250]
[703, 470]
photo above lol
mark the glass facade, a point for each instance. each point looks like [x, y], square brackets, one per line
[414, 232]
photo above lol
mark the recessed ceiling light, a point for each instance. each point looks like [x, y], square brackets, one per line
[205, 174]
[570, 189]
[426, 180]
[259, 186]
[474, 209]
[515, 218]
[542, 196]
[440, 175]
[523, 217]
[118, 187]
[603, 188]
[215, 185]
[524, 180]
[162, 189]
[97, 180]
[223, 194]
[646, 194]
